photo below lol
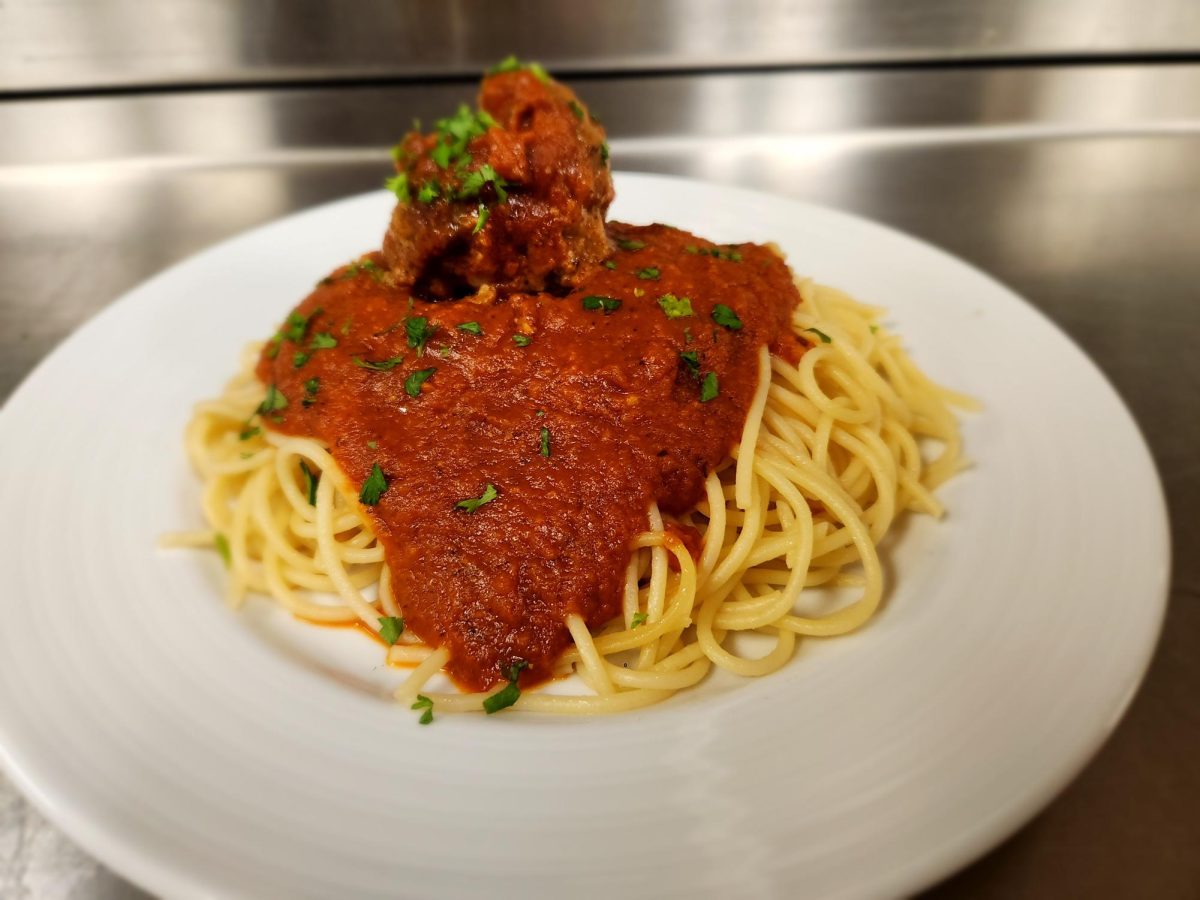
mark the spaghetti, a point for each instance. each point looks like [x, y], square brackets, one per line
[833, 448]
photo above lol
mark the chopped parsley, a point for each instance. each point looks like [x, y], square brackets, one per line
[297, 325]
[475, 181]
[373, 487]
[510, 693]
[222, 544]
[629, 244]
[473, 503]
[273, 401]
[273, 349]
[419, 331]
[470, 328]
[726, 317]
[429, 191]
[608, 304]
[441, 154]
[247, 433]
[299, 359]
[692, 360]
[423, 702]
[358, 267]
[639, 618]
[604, 154]
[545, 435]
[412, 384]
[390, 629]
[825, 339]
[373, 445]
[382, 365]
[874, 328]
[484, 212]
[322, 341]
[512, 64]
[310, 391]
[576, 109]
[708, 390]
[649, 273]
[345, 329]
[398, 185]
[675, 307]
[522, 340]
[311, 479]
[729, 254]
[609, 264]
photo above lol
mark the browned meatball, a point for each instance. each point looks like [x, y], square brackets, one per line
[513, 196]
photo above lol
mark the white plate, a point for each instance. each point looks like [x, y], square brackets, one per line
[203, 752]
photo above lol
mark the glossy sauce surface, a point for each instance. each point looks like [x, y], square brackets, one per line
[622, 412]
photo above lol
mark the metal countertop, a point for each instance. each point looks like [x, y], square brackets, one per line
[1078, 185]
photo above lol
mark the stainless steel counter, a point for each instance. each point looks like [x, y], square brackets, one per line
[1078, 185]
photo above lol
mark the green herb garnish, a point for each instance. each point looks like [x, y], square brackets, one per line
[609, 264]
[608, 304]
[726, 317]
[512, 64]
[246, 433]
[310, 391]
[576, 109]
[412, 384]
[322, 341]
[383, 365]
[273, 401]
[299, 359]
[373, 445]
[398, 185]
[311, 479]
[692, 360]
[429, 192]
[545, 435]
[475, 181]
[222, 544]
[630, 244]
[639, 618]
[825, 339]
[423, 702]
[604, 154]
[708, 390]
[522, 340]
[484, 212]
[390, 629]
[649, 273]
[473, 503]
[419, 331]
[470, 328]
[675, 307]
[509, 694]
[373, 487]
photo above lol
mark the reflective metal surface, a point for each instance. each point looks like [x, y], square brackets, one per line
[91, 43]
[1076, 185]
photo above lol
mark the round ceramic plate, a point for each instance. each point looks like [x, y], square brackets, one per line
[205, 752]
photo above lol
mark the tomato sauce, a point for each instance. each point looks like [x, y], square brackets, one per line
[580, 409]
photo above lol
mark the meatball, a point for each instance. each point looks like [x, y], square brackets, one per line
[513, 195]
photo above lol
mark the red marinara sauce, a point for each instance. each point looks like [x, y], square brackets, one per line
[581, 410]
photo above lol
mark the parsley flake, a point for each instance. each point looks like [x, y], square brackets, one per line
[273, 401]
[310, 391]
[639, 618]
[675, 307]
[373, 445]
[373, 487]
[545, 448]
[222, 544]
[311, 480]
[484, 212]
[246, 433]
[382, 365]
[419, 331]
[604, 153]
[429, 192]
[412, 384]
[608, 304]
[825, 339]
[726, 317]
[390, 629]
[398, 185]
[475, 181]
[629, 244]
[299, 359]
[692, 360]
[470, 328]
[609, 264]
[522, 340]
[473, 503]
[708, 390]
[509, 694]
[649, 273]
[323, 341]
[576, 109]
[423, 702]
